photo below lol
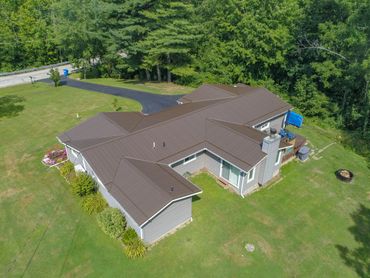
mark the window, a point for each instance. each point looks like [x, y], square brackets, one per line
[278, 156]
[189, 159]
[265, 126]
[251, 175]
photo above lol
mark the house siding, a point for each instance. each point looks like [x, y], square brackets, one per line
[208, 161]
[248, 187]
[173, 216]
[101, 188]
[74, 159]
[271, 147]
[191, 167]
[213, 164]
[277, 123]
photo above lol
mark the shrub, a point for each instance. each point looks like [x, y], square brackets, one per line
[93, 203]
[135, 249]
[128, 236]
[55, 76]
[112, 222]
[66, 169]
[83, 185]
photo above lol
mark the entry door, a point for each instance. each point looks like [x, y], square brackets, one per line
[230, 173]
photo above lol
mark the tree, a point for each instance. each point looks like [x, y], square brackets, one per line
[309, 100]
[80, 31]
[55, 76]
[358, 258]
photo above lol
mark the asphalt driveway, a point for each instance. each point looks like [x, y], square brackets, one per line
[151, 102]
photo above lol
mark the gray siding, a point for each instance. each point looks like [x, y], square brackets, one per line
[277, 123]
[191, 167]
[213, 164]
[253, 184]
[271, 147]
[75, 160]
[170, 218]
[107, 196]
[262, 170]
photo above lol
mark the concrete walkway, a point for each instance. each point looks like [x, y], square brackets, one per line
[151, 102]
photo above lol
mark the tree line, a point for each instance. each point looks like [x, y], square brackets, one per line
[314, 53]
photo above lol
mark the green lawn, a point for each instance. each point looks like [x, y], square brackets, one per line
[296, 224]
[162, 88]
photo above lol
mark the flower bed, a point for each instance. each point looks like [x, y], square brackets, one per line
[54, 157]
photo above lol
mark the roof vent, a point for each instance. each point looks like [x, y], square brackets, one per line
[153, 144]
[172, 188]
[164, 144]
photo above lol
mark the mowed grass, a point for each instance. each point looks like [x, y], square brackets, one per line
[162, 88]
[295, 223]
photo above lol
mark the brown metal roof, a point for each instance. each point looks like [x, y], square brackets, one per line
[207, 92]
[93, 128]
[147, 187]
[126, 150]
[235, 143]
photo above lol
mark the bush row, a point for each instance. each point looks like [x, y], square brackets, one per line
[110, 220]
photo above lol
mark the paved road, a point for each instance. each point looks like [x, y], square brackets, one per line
[24, 78]
[151, 102]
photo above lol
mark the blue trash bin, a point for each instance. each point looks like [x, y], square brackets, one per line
[65, 72]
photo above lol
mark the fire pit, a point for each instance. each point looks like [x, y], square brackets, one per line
[344, 175]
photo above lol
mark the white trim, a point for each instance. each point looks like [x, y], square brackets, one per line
[66, 145]
[219, 174]
[141, 233]
[278, 158]
[193, 157]
[75, 154]
[254, 173]
[284, 120]
[264, 126]
[205, 149]
[287, 147]
[242, 186]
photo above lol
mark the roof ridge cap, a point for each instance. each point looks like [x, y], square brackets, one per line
[159, 123]
[144, 175]
[219, 123]
[231, 154]
[113, 122]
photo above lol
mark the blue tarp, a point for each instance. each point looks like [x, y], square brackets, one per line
[294, 119]
[285, 133]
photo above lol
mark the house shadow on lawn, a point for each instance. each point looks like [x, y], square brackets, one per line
[359, 258]
[195, 198]
[11, 106]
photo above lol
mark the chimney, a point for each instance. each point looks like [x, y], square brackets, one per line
[271, 142]
[270, 146]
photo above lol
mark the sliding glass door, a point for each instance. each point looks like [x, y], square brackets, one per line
[230, 173]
